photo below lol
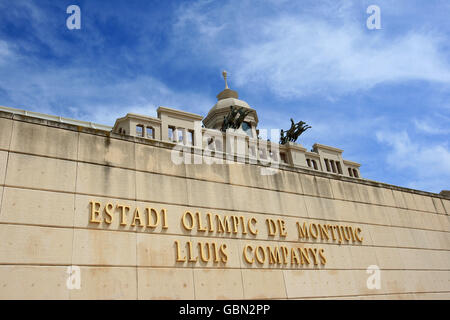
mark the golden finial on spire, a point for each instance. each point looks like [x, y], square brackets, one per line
[224, 74]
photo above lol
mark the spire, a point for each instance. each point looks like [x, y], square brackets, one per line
[227, 92]
[224, 74]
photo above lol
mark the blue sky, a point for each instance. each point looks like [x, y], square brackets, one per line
[381, 95]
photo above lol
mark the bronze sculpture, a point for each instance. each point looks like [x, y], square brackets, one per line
[294, 132]
[230, 120]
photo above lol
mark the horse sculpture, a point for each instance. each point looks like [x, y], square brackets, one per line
[230, 120]
[294, 132]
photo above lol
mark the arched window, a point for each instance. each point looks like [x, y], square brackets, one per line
[350, 172]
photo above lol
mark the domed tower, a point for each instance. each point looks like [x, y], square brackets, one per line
[227, 99]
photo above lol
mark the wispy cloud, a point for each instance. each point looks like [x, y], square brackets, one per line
[433, 124]
[81, 94]
[4, 52]
[428, 165]
[294, 54]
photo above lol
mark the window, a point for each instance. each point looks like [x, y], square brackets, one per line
[139, 130]
[252, 151]
[150, 133]
[180, 135]
[211, 143]
[219, 145]
[273, 156]
[262, 154]
[247, 127]
[190, 137]
[283, 157]
[171, 133]
[308, 162]
[339, 168]
[355, 173]
[327, 164]
[333, 166]
[350, 172]
[315, 164]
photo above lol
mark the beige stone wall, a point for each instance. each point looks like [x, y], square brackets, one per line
[50, 172]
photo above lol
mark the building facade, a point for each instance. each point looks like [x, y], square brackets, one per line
[173, 208]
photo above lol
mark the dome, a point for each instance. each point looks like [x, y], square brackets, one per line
[227, 103]
[227, 99]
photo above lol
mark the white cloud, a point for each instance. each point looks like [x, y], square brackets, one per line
[295, 54]
[431, 127]
[202, 23]
[427, 165]
[4, 51]
[81, 94]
